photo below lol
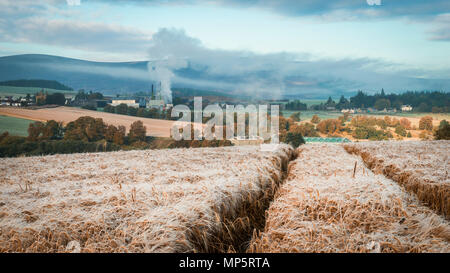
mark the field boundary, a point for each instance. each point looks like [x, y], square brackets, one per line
[238, 222]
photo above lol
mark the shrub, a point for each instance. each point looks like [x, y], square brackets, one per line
[89, 107]
[132, 111]
[400, 130]
[371, 133]
[122, 109]
[315, 119]
[424, 135]
[305, 129]
[443, 132]
[426, 123]
[109, 109]
[295, 116]
[52, 130]
[405, 123]
[294, 139]
[137, 131]
[119, 135]
[329, 126]
[86, 129]
[35, 130]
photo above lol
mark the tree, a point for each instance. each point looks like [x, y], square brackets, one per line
[137, 131]
[294, 139]
[52, 130]
[56, 98]
[122, 109]
[405, 123]
[381, 104]
[305, 129]
[85, 128]
[330, 102]
[142, 112]
[132, 111]
[35, 130]
[329, 126]
[296, 105]
[423, 107]
[119, 135]
[426, 123]
[110, 131]
[443, 132]
[295, 116]
[109, 109]
[315, 119]
[343, 103]
[400, 130]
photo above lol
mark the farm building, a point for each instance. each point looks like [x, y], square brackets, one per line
[128, 102]
[406, 108]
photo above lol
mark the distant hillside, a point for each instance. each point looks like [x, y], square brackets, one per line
[23, 91]
[96, 76]
[107, 77]
[37, 83]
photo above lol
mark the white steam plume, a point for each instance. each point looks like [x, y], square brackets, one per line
[164, 61]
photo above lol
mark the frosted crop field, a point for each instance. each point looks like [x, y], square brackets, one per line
[180, 200]
[421, 167]
[357, 197]
[331, 202]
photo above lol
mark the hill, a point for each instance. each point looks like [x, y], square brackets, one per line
[107, 77]
[37, 83]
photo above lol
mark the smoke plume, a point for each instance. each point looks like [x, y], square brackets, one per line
[163, 62]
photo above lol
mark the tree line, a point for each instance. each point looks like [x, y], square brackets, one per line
[372, 128]
[424, 101]
[86, 134]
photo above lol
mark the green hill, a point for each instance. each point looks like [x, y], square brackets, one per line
[37, 83]
[23, 91]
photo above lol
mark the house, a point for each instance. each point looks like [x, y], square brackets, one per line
[406, 108]
[350, 111]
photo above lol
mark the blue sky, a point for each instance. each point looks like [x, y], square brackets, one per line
[399, 39]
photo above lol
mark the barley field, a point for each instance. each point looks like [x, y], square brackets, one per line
[420, 167]
[179, 200]
[331, 202]
[319, 198]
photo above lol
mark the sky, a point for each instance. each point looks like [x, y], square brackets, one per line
[279, 46]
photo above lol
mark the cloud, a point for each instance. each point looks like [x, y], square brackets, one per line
[276, 75]
[243, 73]
[440, 30]
[357, 8]
[423, 11]
[30, 22]
[79, 35]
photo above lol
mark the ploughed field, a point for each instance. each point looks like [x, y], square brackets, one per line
[179, 200]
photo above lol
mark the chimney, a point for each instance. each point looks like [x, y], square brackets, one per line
[153, 95]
